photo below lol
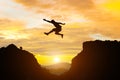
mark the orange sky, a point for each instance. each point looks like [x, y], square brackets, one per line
[21, 23]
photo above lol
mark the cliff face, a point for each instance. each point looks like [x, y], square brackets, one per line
[18, 64]
[99, 60]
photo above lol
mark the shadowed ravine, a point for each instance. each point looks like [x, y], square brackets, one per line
[99, 60]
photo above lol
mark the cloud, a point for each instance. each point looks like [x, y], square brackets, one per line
[57, 4]
[99, 36]
[57, 9]
[39, 4]
[8, 24]
[81, 4]
[29, 3]
[10, 29]
[82, 17]
[85, 9]
[37, 42]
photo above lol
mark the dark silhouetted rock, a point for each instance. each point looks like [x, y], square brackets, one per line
[18, 64]
[99, 60]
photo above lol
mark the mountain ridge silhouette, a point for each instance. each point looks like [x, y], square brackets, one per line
[99, 60]
[17, 64]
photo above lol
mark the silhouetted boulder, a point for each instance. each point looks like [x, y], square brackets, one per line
[17, 64]
[99, 60]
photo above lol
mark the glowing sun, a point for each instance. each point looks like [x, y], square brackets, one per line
[56, 59]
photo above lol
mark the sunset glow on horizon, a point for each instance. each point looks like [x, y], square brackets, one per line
[53, 59]
[56, 59]
[21, 23]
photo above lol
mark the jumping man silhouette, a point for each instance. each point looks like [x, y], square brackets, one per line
[57, 29]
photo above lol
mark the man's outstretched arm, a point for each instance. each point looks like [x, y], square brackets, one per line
[47, 20]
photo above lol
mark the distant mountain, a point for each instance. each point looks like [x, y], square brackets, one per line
[59, 68]
[99, 60]
[18, 64]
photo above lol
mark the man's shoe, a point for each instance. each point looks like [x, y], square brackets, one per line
[62, 35]
[45, 33]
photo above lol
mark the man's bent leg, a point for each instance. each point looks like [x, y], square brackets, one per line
[57, 33]
[47, 33]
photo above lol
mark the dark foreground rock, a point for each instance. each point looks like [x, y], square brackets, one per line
[18, 64]
[99, 60]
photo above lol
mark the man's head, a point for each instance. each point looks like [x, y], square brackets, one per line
[52, 20]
